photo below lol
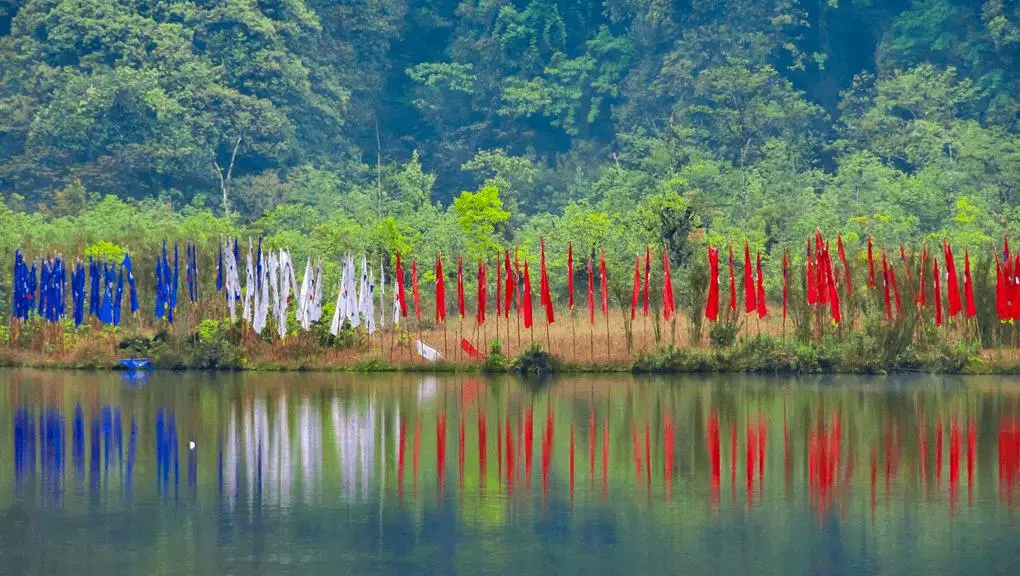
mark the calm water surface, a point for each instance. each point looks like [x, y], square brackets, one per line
[326, 474]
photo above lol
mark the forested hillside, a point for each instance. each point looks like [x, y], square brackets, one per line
[327, 124]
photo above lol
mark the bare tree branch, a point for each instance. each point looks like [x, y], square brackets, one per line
[225, 179]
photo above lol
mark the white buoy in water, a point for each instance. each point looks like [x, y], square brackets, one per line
[191, 445]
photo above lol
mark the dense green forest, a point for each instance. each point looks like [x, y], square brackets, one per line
[433, 125]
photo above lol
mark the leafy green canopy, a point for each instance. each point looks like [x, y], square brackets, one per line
[340, 125]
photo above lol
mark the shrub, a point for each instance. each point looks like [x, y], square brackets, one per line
[535, 361]
[723, 334]
[495, 362]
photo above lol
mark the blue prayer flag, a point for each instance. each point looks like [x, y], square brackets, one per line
[118, 297]
[131, 282]
[219, 271]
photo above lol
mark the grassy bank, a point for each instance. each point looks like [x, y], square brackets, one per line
[873, 349]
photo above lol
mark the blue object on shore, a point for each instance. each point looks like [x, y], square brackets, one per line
[134, 364]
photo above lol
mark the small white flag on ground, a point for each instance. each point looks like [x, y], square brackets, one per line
[427, 352]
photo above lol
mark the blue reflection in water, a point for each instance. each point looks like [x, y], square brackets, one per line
[132, 443]
[166, 451]
[94, 457]
[78, 445]
[51, 429]
[24, 446]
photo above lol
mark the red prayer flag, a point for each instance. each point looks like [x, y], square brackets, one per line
[712, 303]
[668, 305]
[400, 288]
[846, 267]
[570, 275]
[885, 282]
[953, 286]
[470, 349]
[896, 289]
[637, 287]
[482, 295]
[937, 288]
[440, 291]
[603, 280]
[750, 302]
[1014, 290]
[1007, 286]
[499, 290]
[511, 283]
[837, 315]
[968, 287]
[1000, 291]
[733, 283]
[414, 290]
[922, 299]
[871, 266]
[527, 297]
[648, 272]
[762, 309]
[460, 287]
[546, 296]
[821, 269]
[541, 274]
[591, 293]
[517, 275]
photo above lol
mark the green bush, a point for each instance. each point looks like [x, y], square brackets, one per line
[495, 362]
[723, 334]
[672, 360]
[535, 361]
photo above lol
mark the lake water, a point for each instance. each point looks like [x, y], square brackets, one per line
[411, 474]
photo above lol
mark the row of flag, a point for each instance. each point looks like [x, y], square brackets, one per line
[41, 289]
[823, 283]
[271, 284]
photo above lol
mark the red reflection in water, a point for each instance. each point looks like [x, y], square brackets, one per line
[509, 457]
[762, 435]
[751, 442]
[468, 392]
[938, 452]
[591, 446]
[483, 445]
[460, 449]
[1009, 462]
[648, 455]
[955, 437]
[824, 455]
[528, 435]
[714, 457]
[441, 448]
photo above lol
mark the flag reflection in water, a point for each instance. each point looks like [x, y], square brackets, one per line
[430, 440]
